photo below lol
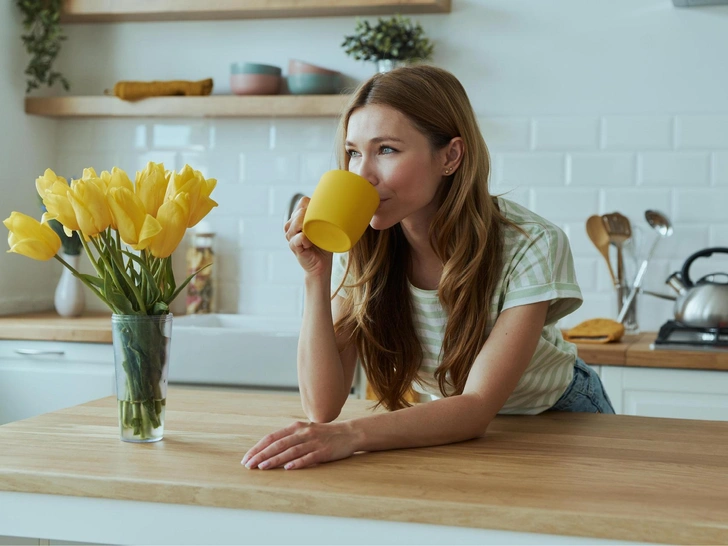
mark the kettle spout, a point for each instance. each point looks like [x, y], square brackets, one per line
[675, 281]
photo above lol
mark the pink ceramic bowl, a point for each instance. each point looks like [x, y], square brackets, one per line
[255, 84]
[299, 67]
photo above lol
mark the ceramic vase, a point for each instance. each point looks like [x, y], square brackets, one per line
[69, 298]
[141, 357]
[385, 65]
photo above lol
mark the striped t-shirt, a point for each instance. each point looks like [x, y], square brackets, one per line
[537, 267]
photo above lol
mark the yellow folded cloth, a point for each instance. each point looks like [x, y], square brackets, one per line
[599, 330]
[132, 90]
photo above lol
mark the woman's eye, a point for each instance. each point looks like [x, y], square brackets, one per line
[387, 150]
[352, 153]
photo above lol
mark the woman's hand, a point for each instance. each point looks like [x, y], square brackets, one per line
[303, 444]
[313, 260]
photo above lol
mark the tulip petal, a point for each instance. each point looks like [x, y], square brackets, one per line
[29, 237]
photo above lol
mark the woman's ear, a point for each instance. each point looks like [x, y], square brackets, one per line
[454, 151]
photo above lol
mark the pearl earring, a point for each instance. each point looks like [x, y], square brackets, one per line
[447, 171]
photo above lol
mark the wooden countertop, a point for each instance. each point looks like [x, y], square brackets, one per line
[592, 475]
[49, 326]
[630, 351]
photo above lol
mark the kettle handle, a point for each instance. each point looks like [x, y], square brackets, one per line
[699, 254]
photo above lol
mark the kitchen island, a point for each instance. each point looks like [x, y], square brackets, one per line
[532, 479]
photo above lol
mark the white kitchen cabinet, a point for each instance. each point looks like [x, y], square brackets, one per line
[663, 392]
[41, 376]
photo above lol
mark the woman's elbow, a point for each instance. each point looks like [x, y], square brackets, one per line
[321, 415]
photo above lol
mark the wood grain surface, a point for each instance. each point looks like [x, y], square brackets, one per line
[590, 475]
[49, 326]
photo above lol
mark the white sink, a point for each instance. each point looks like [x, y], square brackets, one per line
[237, 350]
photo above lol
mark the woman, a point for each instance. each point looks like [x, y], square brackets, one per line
[451, 291]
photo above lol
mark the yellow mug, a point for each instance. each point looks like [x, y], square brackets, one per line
[341, 207]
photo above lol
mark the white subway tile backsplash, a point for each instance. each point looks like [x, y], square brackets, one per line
[254, 267]
[719, 168]
[565, 204]
[232, 136]
[278, 300]
[701, 131]
[285, 269]
[529, 169]
[674, 168]
[565, 133]
[228, 297]
[120, 135]
[314, 164]
[501, 133]
[181, 135]
[563, 168]
[281, 197]
[701, 205]
[719, 235]
[241, 199]
[305, 134]
[263, 233]
[601, 169]
[221, 166]
[270, 168]
[71, 165]
[634, 202]
[637, 132]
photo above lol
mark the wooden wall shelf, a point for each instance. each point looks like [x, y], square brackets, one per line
[114, 11]
[213, 106]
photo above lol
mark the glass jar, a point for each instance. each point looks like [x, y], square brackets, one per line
[201, 291]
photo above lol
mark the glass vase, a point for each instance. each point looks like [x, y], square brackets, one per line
[141, 354]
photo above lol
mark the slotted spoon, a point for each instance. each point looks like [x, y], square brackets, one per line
[619, 230]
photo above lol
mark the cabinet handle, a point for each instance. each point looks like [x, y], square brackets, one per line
[38, 352]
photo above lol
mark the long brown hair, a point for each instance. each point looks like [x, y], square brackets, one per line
[466, 234]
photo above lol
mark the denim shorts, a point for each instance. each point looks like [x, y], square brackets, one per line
[585, 394]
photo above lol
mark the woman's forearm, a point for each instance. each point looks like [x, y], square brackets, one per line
[320, 373]
[443, 421]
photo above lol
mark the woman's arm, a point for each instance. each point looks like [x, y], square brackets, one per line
[492, 378]
[324, 375]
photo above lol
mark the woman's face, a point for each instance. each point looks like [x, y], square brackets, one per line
[386, 149]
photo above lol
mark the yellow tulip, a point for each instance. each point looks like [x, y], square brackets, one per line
[89, 204]
[199, 189]
[89, 172]
[58, 205]
[117, 178]
[136, 227]
[45, 182]
[172, 216]
[31, 238]
[151, 186]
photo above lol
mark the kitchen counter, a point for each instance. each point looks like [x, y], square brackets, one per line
[630, 351]
[49, 326]
[586, 475]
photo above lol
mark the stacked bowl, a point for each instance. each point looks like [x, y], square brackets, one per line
[255, 79]
[309, 79]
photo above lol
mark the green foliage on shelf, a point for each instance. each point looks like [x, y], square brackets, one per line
[41, 20]
[395, 38]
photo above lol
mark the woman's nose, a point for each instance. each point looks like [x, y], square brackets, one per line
[365, 169]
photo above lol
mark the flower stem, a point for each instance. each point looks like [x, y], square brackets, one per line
[84, 281]
[114, 255]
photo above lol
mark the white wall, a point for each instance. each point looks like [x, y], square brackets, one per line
[27, 147]
[587, 106]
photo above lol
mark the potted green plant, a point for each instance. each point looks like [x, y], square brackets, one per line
[389, 43]
[41, 20]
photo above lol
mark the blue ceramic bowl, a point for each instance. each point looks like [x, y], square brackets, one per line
[255, 68]
[314, 84]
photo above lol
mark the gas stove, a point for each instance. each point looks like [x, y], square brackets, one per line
[673, 335]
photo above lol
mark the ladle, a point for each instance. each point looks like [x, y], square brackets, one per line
[600, 237]
[661, 224]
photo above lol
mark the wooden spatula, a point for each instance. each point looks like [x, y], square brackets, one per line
[600, 237]
[620, 230]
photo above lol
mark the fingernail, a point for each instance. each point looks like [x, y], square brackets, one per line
[288, 466]
[245, 460]
[264, 465]
[248, 465]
